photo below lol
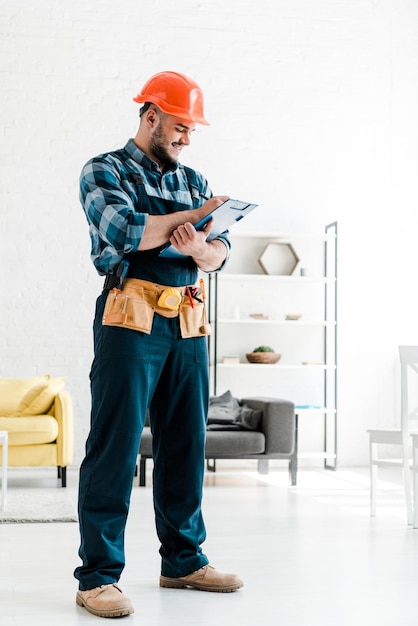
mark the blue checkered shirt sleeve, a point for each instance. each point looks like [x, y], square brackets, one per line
[115, 227]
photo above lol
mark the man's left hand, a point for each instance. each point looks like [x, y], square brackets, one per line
[190, 241]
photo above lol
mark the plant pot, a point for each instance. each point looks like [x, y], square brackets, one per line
[263, 357]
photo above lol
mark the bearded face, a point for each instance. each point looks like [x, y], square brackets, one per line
[162, 149]
[169, 135]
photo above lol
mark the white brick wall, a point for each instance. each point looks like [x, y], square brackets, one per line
[313, 111]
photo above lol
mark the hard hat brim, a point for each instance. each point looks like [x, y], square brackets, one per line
[171, 109]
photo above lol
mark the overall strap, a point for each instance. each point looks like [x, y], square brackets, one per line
[143, 198]
[193, 185]
[192, 182]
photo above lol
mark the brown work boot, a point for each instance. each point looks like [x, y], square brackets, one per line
[105, 601]
[206, 578]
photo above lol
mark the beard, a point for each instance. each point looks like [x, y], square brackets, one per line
[158, 148]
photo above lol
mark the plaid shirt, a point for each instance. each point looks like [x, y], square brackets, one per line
[109, 196]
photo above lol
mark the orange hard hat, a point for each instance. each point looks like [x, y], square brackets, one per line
[175, 94]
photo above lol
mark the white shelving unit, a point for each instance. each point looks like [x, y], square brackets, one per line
[307, 370]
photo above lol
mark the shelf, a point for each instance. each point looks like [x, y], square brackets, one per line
[286, 236]
[316, 455]
[277, 366]
[225, 276]
[250, 320]
[314, 410]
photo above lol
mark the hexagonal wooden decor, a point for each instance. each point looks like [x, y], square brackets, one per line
[278, 257]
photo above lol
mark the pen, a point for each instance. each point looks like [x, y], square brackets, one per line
[190, 297]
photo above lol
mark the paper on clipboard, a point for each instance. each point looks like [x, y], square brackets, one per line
[224, 216]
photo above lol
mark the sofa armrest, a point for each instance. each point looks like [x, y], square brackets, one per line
[278, 423]
[63, 413]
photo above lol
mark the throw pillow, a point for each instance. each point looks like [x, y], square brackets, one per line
[12, 391]
[223, 427]
[39, 399]
[226, 413]
[223, 409]
[249, 419]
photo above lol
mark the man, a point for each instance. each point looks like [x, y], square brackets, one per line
[150, 347]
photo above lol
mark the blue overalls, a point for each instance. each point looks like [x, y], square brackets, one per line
[132, 372]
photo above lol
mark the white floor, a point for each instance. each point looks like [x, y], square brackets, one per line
[309, 555]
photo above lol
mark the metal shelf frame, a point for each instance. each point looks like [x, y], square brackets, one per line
[330, 323]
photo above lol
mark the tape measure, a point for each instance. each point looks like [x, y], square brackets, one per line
[170, 299]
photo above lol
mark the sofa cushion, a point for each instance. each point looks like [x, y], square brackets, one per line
[38, 400]
[25, 431]
[12, 391]
[219, 442]
[234, 443]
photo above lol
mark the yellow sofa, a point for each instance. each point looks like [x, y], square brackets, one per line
[38, 415]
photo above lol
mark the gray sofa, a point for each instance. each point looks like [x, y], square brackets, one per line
[261, 429]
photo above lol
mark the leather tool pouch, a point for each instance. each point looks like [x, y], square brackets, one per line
[193, 320]
[128, 311]
[135, 306]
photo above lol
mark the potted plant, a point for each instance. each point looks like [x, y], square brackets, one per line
[263, 354]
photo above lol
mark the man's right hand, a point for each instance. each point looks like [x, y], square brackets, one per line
[160, 228]
[208, 207]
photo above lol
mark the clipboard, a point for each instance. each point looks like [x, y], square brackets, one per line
[224, 216]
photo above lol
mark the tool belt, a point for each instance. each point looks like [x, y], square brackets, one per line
[135, 305]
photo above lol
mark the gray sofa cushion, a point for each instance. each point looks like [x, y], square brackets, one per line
[236, 443]
[234, 429]
[218, 443]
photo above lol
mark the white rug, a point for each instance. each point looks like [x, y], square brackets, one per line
[39, 505]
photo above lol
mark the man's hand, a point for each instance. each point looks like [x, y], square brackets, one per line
[208, 256]
[210, 205]
[187, 239]
[190, 241]
[160, 228]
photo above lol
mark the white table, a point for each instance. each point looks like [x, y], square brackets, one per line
[4, 441]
